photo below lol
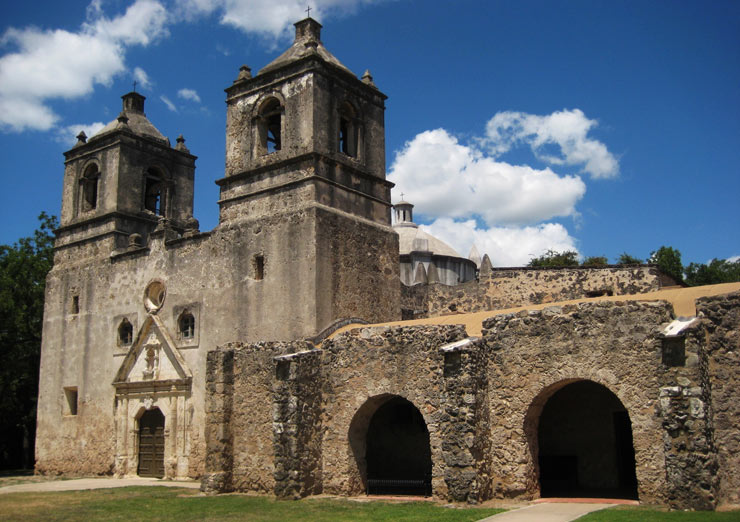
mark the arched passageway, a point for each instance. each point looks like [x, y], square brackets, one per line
[391, 446]
[151, 444]
[585, 444]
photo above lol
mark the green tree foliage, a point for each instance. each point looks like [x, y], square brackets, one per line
[595, 261]
[553, 259]
[717, 271]
[668, 260]
[626, 259]
[23, 269]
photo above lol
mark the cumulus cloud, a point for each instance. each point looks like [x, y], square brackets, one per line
[560, 138]
[270, 18]
[506, 246]
[473, 197]
[142, 78]
[48, 64]
[68, 134]
[171, 106]
[447, 178]
[189, 94]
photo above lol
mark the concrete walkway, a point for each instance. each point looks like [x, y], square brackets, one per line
[547, 512]
[95, 483]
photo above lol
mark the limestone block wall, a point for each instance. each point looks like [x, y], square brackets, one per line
[295, 419]
[721, 365]
[502, 288]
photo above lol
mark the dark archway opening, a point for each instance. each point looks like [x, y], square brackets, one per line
[585, 444]
[398, 455]
[151, 444]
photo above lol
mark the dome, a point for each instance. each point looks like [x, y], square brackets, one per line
[413, 239]
[132, 117]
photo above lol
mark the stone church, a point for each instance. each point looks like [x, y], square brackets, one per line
[269, 354]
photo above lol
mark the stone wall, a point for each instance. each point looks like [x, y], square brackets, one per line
[299, 415]
[721, 364]
[501, 288]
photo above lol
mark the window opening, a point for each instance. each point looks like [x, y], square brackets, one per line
[75, 304]
[270, 126]
[154, 196]
[187, 325]
[71, 404]
[89, 186]
[125, 333]
[259, 267]
[347, 130]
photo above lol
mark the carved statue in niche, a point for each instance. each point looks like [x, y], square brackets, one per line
[151, 354]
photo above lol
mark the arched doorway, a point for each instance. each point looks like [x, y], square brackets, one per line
[390, 441]
[151, 444]
[584, 443]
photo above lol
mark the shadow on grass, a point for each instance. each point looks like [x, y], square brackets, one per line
[176, 504]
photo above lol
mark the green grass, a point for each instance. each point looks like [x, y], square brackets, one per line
[648, 514]
[163, 503]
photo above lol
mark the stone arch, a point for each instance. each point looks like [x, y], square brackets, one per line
[579, 436]
[89, 187]
[349, 129]
[269, 124]
[389, 440]
[156, 191]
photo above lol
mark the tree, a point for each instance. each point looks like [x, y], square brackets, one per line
[668, 260]
[23, 270]
[717, 271]
[626, 259]
[554, 259]
[595, 261]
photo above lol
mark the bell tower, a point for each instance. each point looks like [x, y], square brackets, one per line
[305, 126]
[305, 162]
[124, 181]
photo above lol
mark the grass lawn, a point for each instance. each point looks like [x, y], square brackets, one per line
[163, 503]
[648, 514]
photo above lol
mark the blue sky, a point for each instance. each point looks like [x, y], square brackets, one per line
[604, 127]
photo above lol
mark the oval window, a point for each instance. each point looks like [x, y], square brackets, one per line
[154, 296]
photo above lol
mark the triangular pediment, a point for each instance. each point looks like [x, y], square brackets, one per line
[153, 357]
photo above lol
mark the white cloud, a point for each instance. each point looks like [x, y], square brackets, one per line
[566, 131]
[189, 94]
[50, 64]
[142, 78]
[68, 134]
[171, 106]
[272, 19]
[472, 197]
[506, 246]
[446, 178]
[733, 259]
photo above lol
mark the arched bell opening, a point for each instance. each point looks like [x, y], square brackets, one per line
[390, 442]
[580, 437]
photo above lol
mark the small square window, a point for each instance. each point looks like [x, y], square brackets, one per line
[70, 405]
[453, 364]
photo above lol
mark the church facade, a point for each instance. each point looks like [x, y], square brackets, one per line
[171, 352]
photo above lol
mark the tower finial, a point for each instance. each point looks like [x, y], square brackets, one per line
[308, 11]
[134, 85]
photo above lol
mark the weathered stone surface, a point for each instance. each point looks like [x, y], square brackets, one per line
[501, 288]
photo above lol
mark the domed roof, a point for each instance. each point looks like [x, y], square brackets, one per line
[413, 239]
[132, 117]
[307, 42]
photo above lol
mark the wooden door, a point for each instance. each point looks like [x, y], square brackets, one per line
[151, 444]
